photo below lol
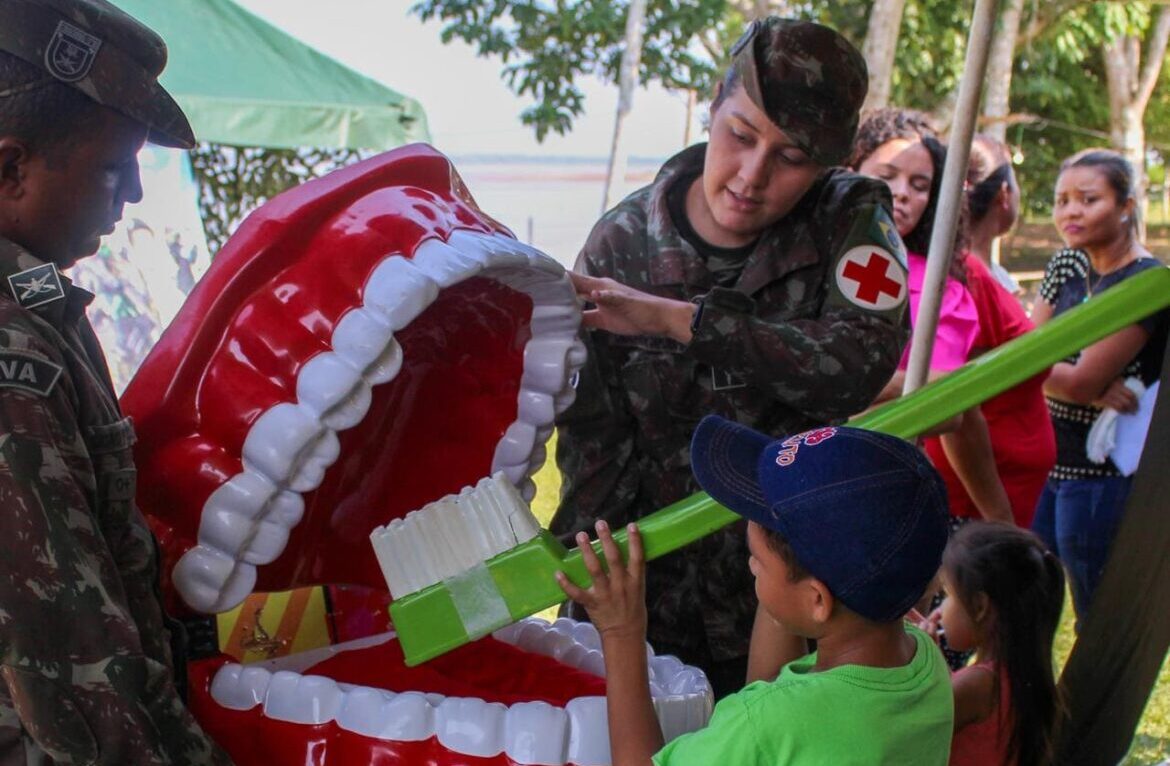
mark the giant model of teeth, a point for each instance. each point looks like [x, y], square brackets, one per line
[366, 345]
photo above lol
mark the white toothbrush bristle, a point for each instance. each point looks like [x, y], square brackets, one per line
[453, 534]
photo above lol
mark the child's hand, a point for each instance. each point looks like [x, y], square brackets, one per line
[932, 625]
[616, 601]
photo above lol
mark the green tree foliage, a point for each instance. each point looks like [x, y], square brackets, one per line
[546, 47]
[1060, 80]
[234, 180]
[1059, 99]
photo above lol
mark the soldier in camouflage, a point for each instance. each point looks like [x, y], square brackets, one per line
[749, 280]
[87, 669]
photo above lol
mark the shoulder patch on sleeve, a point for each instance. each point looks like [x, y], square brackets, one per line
[28, 373]
[37, 286]
[869, 276]
[884, 232]
[870, 271]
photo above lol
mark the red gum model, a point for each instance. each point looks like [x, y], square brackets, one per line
[365, 344]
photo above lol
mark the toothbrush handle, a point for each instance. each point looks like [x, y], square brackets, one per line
[671, 528]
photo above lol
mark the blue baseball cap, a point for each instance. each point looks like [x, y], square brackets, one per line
[865, 513]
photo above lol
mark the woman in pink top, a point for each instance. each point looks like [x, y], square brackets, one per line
[1005, 592]
[900, 147]
[1015, 424]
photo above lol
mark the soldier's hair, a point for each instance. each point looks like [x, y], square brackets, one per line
[776, 541]
[730, 81]
[48, 115]
[884, 125]
[1117, 171]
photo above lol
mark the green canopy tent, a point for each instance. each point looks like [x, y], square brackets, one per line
[270, 112]
[244, 82]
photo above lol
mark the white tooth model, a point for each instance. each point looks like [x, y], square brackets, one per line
[309, 334]
[247, 521]
[527, 732]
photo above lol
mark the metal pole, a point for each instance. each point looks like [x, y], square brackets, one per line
[951, 193]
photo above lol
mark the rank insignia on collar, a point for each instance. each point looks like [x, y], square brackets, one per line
[36, 286]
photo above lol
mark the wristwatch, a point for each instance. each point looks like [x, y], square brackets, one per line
[698, 300]
[725, 298]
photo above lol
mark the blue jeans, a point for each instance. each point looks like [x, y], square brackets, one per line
[1077, 519]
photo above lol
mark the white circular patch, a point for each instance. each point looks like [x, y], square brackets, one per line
[871, 278]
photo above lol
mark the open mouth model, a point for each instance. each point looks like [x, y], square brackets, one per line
[364, 345]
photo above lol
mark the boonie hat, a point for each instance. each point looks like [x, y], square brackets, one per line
[808, 79]
[105, 53]
[865, 513]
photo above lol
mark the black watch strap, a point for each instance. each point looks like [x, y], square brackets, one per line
[698, 316]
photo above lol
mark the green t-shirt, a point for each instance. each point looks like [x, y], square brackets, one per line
[851, 714]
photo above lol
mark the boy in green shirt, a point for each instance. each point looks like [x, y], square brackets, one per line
[846, 528]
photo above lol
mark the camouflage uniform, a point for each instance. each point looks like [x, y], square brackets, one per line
[86, 665]
[780, 351]
[85, 659]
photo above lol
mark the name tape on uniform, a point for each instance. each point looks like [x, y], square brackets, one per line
[28, 373]
[870, 277]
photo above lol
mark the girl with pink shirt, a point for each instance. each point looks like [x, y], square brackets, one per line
[899, 146]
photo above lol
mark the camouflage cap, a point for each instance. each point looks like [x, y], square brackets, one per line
[808, 79]
[105, 53]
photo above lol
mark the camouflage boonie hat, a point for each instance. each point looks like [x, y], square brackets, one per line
[105, 53]
[808, 79]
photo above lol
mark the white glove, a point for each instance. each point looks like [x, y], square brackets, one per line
[1103, 435]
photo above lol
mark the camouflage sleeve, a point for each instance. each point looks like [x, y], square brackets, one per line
[595, 436]
[71, 658]
[832, 361]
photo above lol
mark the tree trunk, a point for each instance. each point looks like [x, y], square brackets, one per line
[1130, 83]
[692, 102]
[997, 101]
[881, 42]
[619, 152]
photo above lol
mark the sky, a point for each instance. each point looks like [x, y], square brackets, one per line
[469, 108]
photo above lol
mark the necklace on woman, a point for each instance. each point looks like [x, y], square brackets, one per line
[1093, 284]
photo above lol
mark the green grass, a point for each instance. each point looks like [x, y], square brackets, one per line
[1151, 745]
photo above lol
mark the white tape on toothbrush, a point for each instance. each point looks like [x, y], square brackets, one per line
[478, 601]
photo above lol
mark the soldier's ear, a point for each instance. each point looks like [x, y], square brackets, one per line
[14, 157]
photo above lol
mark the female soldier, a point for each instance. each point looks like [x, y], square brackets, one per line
[750, 280]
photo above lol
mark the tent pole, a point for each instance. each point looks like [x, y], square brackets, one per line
[951, 193]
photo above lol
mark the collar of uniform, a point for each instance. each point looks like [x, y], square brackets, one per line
[15, 259]
[666, 242]
[766, 264]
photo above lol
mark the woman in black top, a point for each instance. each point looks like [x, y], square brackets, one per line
[1079, 510]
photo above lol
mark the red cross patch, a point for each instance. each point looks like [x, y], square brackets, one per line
[870, 277]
